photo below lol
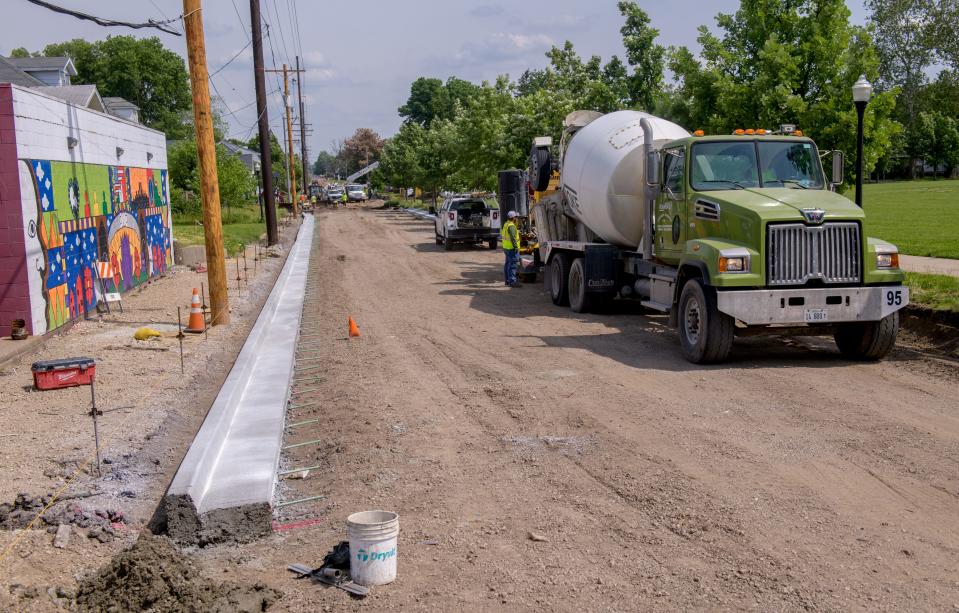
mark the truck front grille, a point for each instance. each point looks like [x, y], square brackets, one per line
[798, 253]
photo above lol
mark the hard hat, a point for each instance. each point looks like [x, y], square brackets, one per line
[512, 214]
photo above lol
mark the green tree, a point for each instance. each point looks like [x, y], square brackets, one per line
[938, 136]
[785, 61]
[142, 71]
[645, 57]
[400, 162]
[20, 52]
[421, 106]
[325, 164]
[237, 185]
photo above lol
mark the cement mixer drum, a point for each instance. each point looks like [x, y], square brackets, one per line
[603, 173]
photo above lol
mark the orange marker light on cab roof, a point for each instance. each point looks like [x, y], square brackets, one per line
[699, 133]
[797, 133]
[739, 131]
[760, 132]
[750, 131]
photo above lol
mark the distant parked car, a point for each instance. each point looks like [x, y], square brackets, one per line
[333, 193]
[356, 192]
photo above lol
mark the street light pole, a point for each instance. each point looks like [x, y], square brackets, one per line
[861, 92]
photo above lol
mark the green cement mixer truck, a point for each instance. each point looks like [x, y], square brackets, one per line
[730, 235]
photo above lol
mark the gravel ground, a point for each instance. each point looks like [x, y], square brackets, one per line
[545, 460]
[150, 413]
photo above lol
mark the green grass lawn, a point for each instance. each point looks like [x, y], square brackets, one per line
[920, 217]
[241, 226]
[937, 292]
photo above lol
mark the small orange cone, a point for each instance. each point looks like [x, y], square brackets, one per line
[197, 324]
[354, 329]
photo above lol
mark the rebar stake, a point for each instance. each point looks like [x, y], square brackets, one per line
[96, 431]
[180, 335]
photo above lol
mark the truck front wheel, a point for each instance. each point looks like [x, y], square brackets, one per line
[558, 279]
[493, 243]
[872, 340]
[447, 244]
[705, 334]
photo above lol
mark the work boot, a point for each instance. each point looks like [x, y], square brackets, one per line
[516, 284]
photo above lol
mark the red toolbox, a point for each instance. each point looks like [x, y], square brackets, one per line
[57, 374]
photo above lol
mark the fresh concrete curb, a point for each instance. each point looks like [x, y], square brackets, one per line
[223, 489]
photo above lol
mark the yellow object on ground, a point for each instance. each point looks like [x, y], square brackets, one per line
[145, 334]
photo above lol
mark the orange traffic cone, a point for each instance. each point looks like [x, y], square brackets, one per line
[197, 323]
[354, 329]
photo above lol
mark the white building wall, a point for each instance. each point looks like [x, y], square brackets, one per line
[44, 123]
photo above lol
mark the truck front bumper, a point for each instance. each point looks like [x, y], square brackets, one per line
[816, 306]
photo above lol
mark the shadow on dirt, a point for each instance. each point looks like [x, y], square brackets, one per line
[637, 337]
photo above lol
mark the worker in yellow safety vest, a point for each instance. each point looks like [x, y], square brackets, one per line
[510, 235]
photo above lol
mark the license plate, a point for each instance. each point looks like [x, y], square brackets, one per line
[816, 315]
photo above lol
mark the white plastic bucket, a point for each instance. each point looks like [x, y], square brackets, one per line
[372, 536]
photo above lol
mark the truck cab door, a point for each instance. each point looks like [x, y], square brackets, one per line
[671, 206]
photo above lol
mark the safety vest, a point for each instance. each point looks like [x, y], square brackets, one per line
[507, 237]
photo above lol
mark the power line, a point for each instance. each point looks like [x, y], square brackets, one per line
[230, 61]
[163, 26]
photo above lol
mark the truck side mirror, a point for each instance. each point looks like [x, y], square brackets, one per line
[838, 167]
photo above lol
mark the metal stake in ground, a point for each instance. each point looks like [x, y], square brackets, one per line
[180, 335]
[238, 276]
[96, 431]
[206, 325]
[246, 274]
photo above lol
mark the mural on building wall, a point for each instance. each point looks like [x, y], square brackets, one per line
[99, 228]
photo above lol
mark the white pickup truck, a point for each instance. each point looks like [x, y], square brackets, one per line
[468, 219]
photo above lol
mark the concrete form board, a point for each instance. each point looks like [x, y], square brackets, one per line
[224, 486]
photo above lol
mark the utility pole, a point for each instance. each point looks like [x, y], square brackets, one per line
[266, 160]
[206, 152]
[289, 127]
[299, 95]
[289, 133]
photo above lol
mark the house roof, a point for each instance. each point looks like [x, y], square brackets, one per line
[115, 102]
[239, 149]
[80, 95]
[9, 73]
[32, 64]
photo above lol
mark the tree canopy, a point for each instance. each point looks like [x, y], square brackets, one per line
[140, 70]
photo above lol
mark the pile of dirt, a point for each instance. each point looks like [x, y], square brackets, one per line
[153, 576]
[20, 513]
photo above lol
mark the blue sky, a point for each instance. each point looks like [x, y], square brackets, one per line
[362, 55]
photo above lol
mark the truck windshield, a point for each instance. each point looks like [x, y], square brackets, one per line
[741, 164]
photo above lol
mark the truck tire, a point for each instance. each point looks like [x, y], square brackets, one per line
[541, 168]
[559, 278]
[580, 301]
[447, 244]
[439, 240]
[870, 341]
[705, 334]
[493, 244]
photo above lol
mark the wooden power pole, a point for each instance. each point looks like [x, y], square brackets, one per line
[288, 102]
[299, 96]
[206, 152]
[266, 160]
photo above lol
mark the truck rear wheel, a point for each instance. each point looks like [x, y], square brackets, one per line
[872, 340]
[493, 243]
[447, 244]
[705, 334]
[558, 279]
[579, 300]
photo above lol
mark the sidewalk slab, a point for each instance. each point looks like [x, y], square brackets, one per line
[936, 266]
[223, 489]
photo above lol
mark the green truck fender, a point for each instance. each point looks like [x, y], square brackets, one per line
[703, 255]
[872, 274]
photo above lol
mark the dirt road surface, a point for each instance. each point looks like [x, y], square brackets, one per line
[542, 459]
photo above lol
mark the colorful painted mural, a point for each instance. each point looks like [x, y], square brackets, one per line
[100, 229]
